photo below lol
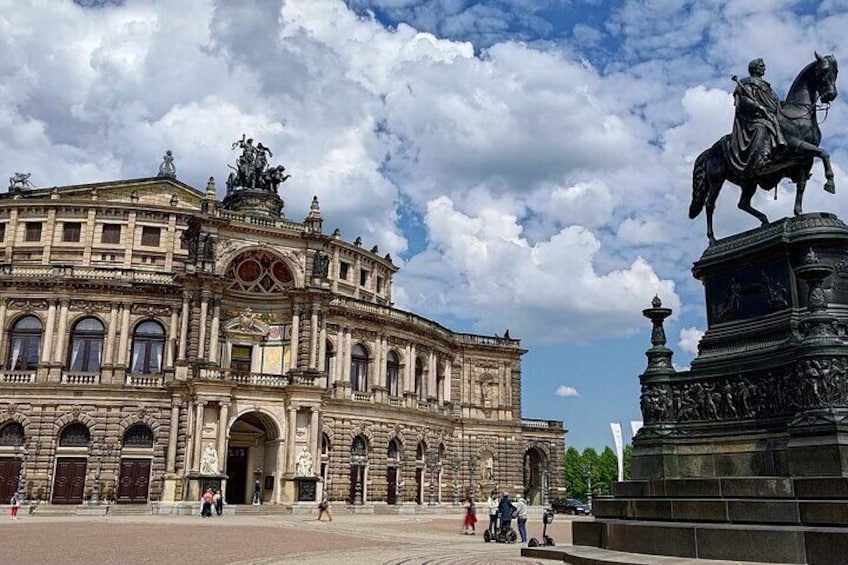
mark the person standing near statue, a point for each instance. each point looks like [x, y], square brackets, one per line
[257, 492]
[756, 139]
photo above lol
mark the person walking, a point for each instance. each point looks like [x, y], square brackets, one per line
[218, 499]
[521, 514]
[324, 508]
[15, 503]
[492, 504]
[257, 492]
[206, 508]
[470, 517]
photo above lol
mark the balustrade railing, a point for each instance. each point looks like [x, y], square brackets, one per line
[80, 378]
[18, 377]
[150, 381]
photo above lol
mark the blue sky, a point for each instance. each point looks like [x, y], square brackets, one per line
[527, 162]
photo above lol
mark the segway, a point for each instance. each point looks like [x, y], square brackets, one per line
[503, 535]
[547, 518]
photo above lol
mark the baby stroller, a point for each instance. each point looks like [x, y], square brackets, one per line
[547, 518]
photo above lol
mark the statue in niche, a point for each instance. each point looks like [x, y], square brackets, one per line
[303, 466]
[487, 467]
[209, 461]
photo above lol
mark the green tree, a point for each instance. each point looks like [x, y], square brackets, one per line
[628, 453]
[607, 471]
[589, 465]
[574, 480]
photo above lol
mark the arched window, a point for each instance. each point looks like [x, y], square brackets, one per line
[419, 379]
[147, 346]
[25, 344]
[86, 346]
[138, 435]
[75, 435]
[329, 357]
[12, 435]
[420, 451]
[393, 374]
[358, 368]
[358, 447]
[394, 450]
[325, 445]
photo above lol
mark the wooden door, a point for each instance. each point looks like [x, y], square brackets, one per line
[10, 471]
[391, 485]
[354, 477]
[237, 476]
[69, 483]
[419, 486]
[134, 481]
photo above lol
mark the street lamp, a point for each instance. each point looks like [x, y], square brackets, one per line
[472, 472]
[106, 449]
[454, 465]
[587, 472]
[433, 467]
[22, 475]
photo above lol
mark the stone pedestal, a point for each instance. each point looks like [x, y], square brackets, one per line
[745, 456]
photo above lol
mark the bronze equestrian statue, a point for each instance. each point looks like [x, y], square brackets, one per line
[770, 140]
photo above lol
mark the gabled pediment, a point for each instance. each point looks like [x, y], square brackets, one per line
[156, 191]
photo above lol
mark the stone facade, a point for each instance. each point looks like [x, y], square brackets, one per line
[155, 343]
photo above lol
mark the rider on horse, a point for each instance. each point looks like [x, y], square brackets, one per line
[756, 139]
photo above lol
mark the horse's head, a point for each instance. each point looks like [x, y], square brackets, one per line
[826, 70]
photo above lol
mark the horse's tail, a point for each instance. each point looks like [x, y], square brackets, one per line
[700, 186]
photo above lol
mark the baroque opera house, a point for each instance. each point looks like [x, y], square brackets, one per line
[155, 341]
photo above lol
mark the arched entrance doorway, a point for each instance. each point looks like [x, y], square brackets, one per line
[393, 470]
[358, 462]
[136, 462]
[12, 439]
[252, 456]
[535, 476]
[71, 464]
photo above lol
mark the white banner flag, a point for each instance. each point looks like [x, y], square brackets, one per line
[635, 426]
[619, 448]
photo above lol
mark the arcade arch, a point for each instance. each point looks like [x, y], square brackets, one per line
[253, 454]
[535, 476]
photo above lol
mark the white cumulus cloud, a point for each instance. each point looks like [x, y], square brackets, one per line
[689, 340]
[565, 390]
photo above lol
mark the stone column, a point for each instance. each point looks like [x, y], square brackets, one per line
[313, 339]
[3, 324]
[172, 338]
[184, 329]
[223, 420]
[378, 363]
[173, 436]
[431, 375]
[61, 330]
[408, 369]
[338, 375]
[295, 335]
[47, 350]
[322, 351]
[314, 444]
[111, 334]
[346, 358]
[198, 435]
[125, 334]
[447, 381]
[383, 346]
[290, 438]
[213, 338]
[201, 332]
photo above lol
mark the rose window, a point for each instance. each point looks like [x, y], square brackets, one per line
[259, 271]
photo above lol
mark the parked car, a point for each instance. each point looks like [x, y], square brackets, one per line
[570, 506]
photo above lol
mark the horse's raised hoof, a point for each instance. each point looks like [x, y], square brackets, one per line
[830, 186]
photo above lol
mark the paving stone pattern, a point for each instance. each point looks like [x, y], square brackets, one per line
[255, 540]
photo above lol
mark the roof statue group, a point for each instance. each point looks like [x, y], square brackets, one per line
[252, 171]
[771, 140]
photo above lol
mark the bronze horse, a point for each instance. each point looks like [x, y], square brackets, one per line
[797, 120]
